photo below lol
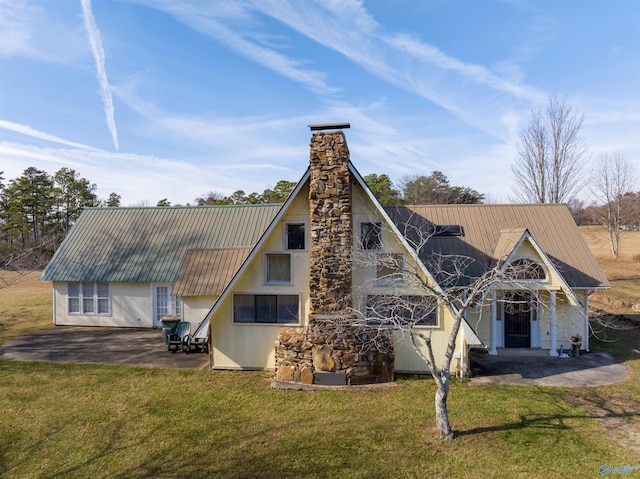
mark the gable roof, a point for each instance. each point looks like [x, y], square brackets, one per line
[483, 241]
[149, 244]
[207, 272]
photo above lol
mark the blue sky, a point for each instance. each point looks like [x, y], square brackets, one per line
[177, 98]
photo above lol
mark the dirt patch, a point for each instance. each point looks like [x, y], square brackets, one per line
[619, 416]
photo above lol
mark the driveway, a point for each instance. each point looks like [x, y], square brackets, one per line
[536, 367]
[131, 346]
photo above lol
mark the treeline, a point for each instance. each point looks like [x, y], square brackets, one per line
[38, 209]
[421, 190]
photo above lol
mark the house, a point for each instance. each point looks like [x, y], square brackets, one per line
[270, 285]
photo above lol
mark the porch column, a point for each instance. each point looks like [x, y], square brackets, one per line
[585, 337]
[494, 324]
[553, 350]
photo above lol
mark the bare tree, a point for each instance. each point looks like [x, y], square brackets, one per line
[612, 179]
[415, 291]
[550, 163]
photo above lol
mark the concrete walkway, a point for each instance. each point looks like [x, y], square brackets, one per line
[131, 346]
[536, 367]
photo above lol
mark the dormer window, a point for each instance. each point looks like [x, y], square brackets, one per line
[371, 235]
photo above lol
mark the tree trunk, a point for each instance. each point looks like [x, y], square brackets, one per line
[442, 413]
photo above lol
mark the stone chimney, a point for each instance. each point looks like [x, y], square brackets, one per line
[331, 350]
[331, 223]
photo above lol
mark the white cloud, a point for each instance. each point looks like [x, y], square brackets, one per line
[28, 131]
[98, 54]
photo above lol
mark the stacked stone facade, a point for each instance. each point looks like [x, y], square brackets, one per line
[330, 350]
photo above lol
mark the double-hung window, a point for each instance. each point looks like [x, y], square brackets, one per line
[265, 308]
[88, 298]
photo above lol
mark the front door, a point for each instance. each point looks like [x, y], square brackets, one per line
[517, 321]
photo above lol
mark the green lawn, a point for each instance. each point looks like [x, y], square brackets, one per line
[122, 422]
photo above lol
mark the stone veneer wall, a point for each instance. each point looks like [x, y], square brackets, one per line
[329, 350]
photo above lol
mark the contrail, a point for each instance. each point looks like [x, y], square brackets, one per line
[98, 54]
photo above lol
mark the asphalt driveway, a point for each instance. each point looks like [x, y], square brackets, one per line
[131, 346]
[145, 348]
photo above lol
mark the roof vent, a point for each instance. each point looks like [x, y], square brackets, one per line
[329, 126]
[446, 230]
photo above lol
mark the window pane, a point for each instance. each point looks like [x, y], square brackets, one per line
[73, 290]
[295, 236]
[371, 235]
[265, 309]
[74, 305]
[244, 308]
[87, 305]
[103, 290]
[162, 301]
[88, 290]
[178, 305]
[288, 309]
[278, 268]
[103, 306]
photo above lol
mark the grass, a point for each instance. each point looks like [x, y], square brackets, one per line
[72, 420]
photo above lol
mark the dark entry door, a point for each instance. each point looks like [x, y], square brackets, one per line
[517, 321]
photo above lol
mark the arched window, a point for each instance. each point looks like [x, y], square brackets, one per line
[526, 269]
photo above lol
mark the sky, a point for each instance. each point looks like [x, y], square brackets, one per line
[174, 99]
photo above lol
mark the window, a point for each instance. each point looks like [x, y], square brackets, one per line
[405, 309]
[265, 308]
[294, 236]
[446, 230]
[389, 268]
[525, 269]
[371, 235]
[278, 268]
[88, 298]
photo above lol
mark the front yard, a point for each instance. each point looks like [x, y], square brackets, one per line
[116, 421]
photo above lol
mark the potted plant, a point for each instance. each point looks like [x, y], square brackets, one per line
[576, 344]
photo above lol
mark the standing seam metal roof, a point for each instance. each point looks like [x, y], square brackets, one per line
[149, 244]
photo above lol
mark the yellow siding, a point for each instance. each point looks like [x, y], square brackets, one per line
[252, 345]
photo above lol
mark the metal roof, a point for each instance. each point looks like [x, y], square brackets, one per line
[149, 244]
[551, 225]
[207, 272]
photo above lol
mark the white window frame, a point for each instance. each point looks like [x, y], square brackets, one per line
[285, 234]
[94, 298]
[360, 239]
[266, 264]
[268, 323]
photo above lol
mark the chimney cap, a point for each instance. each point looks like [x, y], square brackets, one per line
[329, 126]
